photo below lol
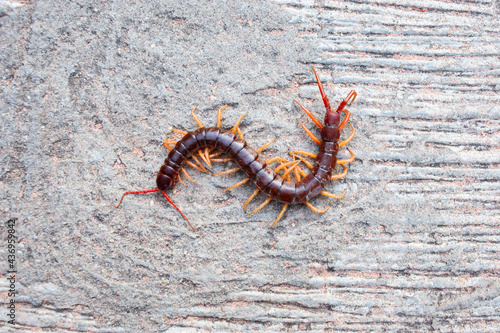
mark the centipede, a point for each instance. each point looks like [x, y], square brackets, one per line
[209, 143]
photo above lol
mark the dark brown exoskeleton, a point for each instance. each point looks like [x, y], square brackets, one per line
[256, 169]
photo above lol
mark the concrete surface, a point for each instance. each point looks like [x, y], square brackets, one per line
[89, 89]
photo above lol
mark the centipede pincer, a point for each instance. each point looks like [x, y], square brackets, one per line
[202, 142]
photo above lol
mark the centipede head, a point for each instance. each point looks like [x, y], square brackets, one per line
[332, 118]
[167, 178]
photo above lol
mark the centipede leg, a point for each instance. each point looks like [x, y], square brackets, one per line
[262, 205]
[303, 152]
[226, 172]
[312, 136]
[198, 121]
[241, 182]
[334, 196]
[187, 175]
[199, 163]
[233, 130]
[261, 148]
[346, 119]
[250, 198]
[303, 160]
[340, 175]
[283, 210]
[219, 115]
[309, 113]
[179, 131]
[240, 133]
[316, 210]
[349, 160]
[353, 131]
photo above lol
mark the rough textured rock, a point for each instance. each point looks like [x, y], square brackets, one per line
[89, 89]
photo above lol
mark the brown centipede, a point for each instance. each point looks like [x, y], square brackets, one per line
[257, 170]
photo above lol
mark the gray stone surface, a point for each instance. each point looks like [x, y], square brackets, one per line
[89, 89]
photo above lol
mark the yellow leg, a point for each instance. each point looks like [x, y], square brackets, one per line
[312, 136]
[240, 133]
[340, 175]
[202, 156]
[297, 174]
[309, 113]
[207, 156]
[284, 165]
[288, 170]
[241, 182]
[353, 131]
[187, 175]
[283, 210]
[302, 152]
[335, 196]
[233, 130]
[198, 121]
[219, 116]
[226, 159]
[302, 172]
[274, 159]
[250, 198]
[180, 179]
[306, 162]
[261, 148]
[179, 131]
[227, 171]
[199, 163]
[316, 210]
[349, 160]
[262, 205]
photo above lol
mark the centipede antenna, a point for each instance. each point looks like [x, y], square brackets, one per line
[136, 192]
[172, 203]
[322, 92]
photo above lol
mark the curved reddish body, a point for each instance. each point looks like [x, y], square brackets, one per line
[255, 168]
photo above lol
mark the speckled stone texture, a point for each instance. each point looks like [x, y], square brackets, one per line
[89, 89]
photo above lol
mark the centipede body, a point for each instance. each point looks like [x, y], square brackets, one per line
[254, 167]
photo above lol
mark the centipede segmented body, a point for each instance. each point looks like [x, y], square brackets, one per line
[275, 186]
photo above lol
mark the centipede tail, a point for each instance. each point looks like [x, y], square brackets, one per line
[276, 187]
